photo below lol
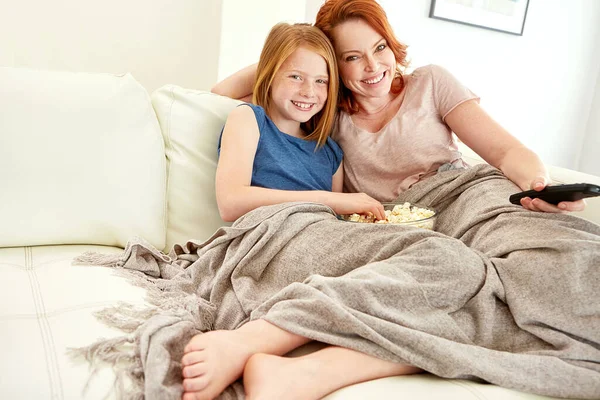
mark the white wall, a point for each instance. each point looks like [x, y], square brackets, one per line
[245, 26]
[590, 154]
[540, 86]
[160, 41]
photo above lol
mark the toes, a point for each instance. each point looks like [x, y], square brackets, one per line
[192, 358]
[194, 370]
[193, 396]
[194, 344]
[195, 384]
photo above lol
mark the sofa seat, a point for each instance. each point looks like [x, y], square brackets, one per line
[427, 387]
[48, 307]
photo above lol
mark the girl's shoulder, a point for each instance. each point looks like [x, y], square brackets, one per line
[258, 110]
[334, 153]
[247, 112]
[333, 145]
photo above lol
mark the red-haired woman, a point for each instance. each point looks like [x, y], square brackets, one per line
[395, 130]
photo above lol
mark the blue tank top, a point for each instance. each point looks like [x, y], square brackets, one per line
[286, 162]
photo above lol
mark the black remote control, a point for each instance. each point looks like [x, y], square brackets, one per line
[558, 193]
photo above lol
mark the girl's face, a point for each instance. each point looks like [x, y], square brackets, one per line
[367, 65]
[299, 89]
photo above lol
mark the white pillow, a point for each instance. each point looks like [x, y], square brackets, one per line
[81, 160]
[191, 122]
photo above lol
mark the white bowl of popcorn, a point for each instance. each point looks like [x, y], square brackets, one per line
[398, 213]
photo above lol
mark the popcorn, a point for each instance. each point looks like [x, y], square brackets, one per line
[401, 213]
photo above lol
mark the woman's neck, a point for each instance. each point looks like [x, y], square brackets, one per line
[376, 113]
[373, 106]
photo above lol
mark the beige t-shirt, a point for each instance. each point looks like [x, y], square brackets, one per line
[412, 146]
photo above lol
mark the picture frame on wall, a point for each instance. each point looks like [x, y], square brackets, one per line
[499, 15]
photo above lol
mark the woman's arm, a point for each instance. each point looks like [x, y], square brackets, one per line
[239, 85]
[499, 148]
[236, 196]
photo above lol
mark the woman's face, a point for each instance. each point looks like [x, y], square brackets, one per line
[366, 64]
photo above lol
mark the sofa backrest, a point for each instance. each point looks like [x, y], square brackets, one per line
[81, 160]
[191, 123]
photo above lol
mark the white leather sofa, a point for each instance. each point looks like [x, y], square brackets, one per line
[86, 162]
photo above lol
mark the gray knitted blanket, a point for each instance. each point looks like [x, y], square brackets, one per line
[498, 293]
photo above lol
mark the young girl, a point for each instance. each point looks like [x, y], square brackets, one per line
[278, 149]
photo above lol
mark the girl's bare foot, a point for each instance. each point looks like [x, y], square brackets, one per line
[268, 377]
[211, 362]
[214, 360]
[314, 375]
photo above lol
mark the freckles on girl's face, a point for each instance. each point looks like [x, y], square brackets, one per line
[300, 87]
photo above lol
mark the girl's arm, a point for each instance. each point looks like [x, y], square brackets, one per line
[236, 196]
[239, 85]
[499, 148]
[337, 182]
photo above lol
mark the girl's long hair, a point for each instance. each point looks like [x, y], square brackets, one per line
[281, 42]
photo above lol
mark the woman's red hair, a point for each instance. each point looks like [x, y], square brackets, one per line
[334, 12]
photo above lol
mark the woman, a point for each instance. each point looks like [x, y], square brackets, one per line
[395, 131]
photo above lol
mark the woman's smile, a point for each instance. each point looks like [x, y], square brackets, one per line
[375, 80]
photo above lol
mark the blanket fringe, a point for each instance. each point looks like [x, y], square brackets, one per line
[99, 259]
[115, 351]
[165, 297]
[122, 353]
[126, 317]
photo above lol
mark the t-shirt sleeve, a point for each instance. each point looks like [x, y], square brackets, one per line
[448, 92]
[336, 154]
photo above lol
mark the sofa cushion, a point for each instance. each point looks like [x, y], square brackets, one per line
[48, 308]
[191, 122]
[81, 160]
